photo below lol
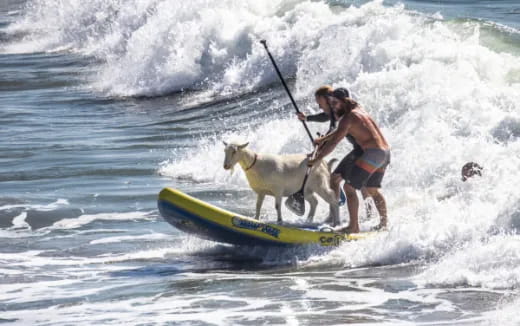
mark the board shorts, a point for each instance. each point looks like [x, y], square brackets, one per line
[364, 169]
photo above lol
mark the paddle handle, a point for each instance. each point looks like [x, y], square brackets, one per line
[264, 42]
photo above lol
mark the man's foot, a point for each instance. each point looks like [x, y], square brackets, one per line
[348, 229]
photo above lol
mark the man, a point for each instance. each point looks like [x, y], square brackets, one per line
[321, 96]
[368, 170]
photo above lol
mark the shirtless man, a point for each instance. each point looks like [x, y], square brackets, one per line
[368, 169]
[321, 96]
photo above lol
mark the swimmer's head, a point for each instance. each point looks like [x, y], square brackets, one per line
[471, 169]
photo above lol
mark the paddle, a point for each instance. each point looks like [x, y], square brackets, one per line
[264, 42]
[296, 202]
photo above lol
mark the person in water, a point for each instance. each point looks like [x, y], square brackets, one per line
[470, 170]
[368, 170]
[321, 96]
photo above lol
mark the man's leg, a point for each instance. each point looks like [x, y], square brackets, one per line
[353, 207]
[380, 203]
[342, 171]
[368, 207]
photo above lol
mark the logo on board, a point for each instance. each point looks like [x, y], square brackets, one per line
[255, 226]
[331, 240]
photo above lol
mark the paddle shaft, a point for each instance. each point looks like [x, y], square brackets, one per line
[264, 42]
[307, 173]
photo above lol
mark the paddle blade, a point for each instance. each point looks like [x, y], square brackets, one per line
[296, 203]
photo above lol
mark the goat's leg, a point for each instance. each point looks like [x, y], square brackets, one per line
[330, 197]
[313, 201]
[259, 202]
[278, 206]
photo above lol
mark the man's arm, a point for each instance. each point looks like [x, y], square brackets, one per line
[320, 117]
[323, 117]
[322, 139]
[329, 142]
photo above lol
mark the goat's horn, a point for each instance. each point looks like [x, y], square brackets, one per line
[243, 145]
[225, 144]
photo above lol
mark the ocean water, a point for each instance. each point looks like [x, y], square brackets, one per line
[104, 103]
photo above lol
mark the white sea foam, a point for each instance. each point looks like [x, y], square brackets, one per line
[492, 263]
[73, 223]
[154, 47]
[21, 228]
[33, 262]
[59, 203]
[19, 222]
[506, 313]
[152, 236]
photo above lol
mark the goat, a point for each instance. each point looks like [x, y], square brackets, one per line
[281, 176]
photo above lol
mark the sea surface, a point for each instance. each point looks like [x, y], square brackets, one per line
[103, 103]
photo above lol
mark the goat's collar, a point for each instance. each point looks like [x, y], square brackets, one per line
[254, 162]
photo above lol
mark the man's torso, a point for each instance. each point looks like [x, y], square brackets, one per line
[364, 130]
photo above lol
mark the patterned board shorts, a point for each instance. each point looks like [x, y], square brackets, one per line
[364, 169]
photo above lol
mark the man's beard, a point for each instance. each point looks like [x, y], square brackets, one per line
[340, 112]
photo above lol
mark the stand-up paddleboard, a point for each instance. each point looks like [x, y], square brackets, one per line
[209, 222]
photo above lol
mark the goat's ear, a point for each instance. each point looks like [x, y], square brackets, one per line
[243, 145]
[225, 144]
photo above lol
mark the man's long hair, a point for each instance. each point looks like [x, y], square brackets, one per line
[347, 101]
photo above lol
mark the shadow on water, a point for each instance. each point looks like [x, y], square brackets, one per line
[223, 258]
[2, 320]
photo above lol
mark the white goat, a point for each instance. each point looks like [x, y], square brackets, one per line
[281, 176]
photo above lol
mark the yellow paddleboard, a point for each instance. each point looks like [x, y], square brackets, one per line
[206, 221]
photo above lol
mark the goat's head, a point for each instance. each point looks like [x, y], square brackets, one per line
[232, 152]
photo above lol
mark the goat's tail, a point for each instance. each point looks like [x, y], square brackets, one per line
[330, 163]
